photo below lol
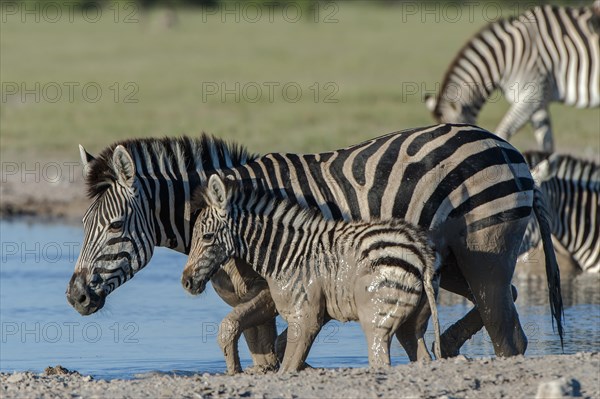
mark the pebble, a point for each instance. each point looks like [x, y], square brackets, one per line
[560, 388]
[16, 377]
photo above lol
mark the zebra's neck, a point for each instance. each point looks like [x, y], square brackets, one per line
[267, 231]
[167, 171]
[484, 64]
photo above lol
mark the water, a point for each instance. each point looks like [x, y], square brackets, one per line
[151, 324]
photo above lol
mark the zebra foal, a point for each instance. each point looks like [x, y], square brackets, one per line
[548, 54]
[374, 272]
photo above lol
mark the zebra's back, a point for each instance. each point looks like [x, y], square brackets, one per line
[568, 42]
[424, 176]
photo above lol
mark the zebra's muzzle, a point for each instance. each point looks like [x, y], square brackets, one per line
[194, 283]
[82, 298]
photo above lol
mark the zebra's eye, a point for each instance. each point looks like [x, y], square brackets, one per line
[208, 236]
[96, 279]
[116, 225]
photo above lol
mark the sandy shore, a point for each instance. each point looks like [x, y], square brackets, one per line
[518, 377]
[43, 197]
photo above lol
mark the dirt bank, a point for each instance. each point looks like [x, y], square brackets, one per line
[42, 196]
[518, 377]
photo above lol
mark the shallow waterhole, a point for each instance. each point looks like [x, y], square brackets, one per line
[151, 324]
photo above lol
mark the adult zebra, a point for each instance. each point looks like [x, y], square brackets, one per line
[471, 188]
[572, 186]
[547, 54]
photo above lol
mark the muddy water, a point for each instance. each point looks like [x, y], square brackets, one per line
[151, 324]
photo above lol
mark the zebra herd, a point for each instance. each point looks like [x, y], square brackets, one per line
[339, 234]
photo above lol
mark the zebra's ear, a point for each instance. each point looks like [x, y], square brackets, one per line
[545, 170]
[86, 158]
[124, 166]
[217, 192]
[430, 102]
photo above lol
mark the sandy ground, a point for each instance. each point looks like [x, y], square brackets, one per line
[519, 377]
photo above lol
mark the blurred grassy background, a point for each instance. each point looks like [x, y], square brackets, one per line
[376, 61]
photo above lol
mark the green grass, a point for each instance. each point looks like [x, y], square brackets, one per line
[370, 55]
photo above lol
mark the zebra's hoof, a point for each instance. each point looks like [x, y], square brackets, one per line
[261, 369]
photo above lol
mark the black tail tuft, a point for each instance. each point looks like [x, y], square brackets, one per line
[552, 272]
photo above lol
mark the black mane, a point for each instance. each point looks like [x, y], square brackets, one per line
[206, 152]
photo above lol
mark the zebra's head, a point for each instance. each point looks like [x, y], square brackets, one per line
[212, 239]
[445, 110]
[118, 239]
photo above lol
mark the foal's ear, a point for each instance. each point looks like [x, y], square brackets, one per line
[545, 170]
[217, 192]
[430, 102]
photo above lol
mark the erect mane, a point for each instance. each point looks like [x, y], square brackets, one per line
[245, 196]
[166, 154]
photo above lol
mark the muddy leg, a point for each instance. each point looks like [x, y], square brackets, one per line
[461, 331]
[281, 341]
[488, 264]
[259, 311]
[457, 334]
[411, 333]
[302, 330]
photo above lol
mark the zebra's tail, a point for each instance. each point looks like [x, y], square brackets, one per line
[430, 275]
[552, 273]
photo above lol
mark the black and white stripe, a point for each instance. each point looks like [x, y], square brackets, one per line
[547, 54]
[572, 187]
[314, 263]
[432, 177]
[125, 223]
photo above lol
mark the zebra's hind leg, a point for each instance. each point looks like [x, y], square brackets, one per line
[411, 334]
[488, 263]
[460, 332]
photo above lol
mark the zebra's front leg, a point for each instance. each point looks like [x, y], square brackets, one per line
[303, 328]
[256, 319]
[542, 129]
[516, 117]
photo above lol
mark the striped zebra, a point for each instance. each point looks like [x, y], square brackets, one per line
[317, 269]
[572, 186]
[547, 54]
[473, 190]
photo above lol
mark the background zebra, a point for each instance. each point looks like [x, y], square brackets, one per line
[572, 187]
[472, 189]
[546, 54]
[317, 269]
